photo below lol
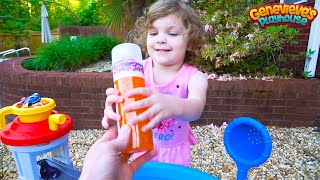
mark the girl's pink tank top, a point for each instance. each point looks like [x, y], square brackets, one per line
[173, 131]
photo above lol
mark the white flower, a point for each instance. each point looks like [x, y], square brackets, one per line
[232, 58]
[227, 25]
[218, 64]
[236, 54]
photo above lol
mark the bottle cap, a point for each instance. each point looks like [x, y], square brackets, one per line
[126, 51]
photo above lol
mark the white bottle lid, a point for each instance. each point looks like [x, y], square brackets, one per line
[126, 51]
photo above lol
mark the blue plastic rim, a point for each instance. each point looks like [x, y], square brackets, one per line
[165, 171]
[248, 142]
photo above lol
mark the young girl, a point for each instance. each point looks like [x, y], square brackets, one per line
[175, 91]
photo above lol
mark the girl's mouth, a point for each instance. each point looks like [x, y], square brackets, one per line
[162, 50]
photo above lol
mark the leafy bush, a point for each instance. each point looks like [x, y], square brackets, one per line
[236, 45]
[70, 55]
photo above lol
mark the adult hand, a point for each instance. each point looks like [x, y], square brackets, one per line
[110, 116]
[104, 162]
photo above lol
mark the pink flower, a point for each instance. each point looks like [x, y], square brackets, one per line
[211, 126]
[234, 34]
[211, 76]
[250, 36]
[224, 125]
[208, 28]
[217, 131]
[241, 77]
[246, 45]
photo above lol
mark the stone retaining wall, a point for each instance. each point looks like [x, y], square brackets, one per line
[285, 103]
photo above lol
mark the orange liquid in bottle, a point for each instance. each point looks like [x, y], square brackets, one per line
[128, 73]
[139, 141]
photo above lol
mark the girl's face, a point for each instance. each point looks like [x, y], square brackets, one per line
[167, 41]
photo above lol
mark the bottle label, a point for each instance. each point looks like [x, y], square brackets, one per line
[127, 69]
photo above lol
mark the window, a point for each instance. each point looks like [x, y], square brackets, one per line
[293, 1]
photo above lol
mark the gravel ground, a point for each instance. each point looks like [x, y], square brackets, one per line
[295, 154]
[101, 66]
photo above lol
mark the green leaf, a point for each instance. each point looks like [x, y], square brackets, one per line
[311, 51]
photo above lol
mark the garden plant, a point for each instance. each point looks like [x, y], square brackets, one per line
[236, 45]
[69, 55]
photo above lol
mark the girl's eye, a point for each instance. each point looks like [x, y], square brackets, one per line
[173, 34]
[153, 33]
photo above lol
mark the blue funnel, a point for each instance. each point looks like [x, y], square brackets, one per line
[248, 143]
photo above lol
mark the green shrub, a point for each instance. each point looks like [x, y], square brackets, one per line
[70, 55]
[236, 45]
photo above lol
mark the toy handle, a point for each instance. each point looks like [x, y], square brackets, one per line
[3, 112]
[55, 120]
[242, 172]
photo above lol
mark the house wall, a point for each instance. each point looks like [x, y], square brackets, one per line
[302, 46]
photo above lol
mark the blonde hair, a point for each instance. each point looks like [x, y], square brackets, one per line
[191, 21]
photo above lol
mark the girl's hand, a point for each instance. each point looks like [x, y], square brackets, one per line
[160, 106]
[110, 116]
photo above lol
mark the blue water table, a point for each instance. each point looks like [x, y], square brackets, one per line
[36, 130]
[165, 171]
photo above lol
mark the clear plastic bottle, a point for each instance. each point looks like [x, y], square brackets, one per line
[128, 73]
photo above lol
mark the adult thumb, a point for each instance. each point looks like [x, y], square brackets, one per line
[123, 138]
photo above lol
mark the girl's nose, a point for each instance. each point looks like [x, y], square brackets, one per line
[161, 39]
